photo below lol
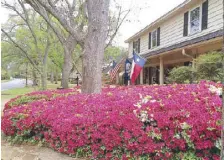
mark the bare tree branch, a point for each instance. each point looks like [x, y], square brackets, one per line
[119, 23]
[41, 10]
[52, 9]
[26, 19]
[14, 26]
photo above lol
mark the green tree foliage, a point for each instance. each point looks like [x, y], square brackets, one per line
[209, 66]
[113, 52]
[12, 61]
[183, 74]
[31, 44]
[4, 75]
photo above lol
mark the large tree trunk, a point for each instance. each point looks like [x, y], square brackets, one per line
[56, 77]
[44, 75]
[52, 77]
[67, 66]
[35, 80]
[44, 79]
[44, 66]
[26, 74]
[94, 45]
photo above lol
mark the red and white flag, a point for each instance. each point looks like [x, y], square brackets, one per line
[137, 65]
[115, 69]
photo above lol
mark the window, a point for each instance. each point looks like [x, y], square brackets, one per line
[136, 46]
[154, 38]
[195, 24]
[196, 20]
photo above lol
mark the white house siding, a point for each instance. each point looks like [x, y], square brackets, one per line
[130, 49]
[172, 29]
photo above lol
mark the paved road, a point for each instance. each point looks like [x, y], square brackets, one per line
[15, 83]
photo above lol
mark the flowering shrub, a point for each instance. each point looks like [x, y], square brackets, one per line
[41, 95]
[159, 122]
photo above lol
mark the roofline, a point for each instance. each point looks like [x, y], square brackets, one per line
[209, 36]
[167, 15]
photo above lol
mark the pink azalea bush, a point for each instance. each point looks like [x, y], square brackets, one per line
[160, 122]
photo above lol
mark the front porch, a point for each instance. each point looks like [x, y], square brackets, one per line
[158, 66]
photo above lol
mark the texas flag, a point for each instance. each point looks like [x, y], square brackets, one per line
[137, 65]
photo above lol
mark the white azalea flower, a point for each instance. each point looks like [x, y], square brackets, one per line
[153, 101]
[112, 86]
[213, 89]
[144, 116]
[177, 136]
[138, 105]
[135, 112]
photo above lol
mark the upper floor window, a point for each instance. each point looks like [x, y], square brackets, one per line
[154, 38]
[136, 46]
[195, 20]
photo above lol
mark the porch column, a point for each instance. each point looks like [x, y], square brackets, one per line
[161, 71]
[141, 76]
[193, 64]
[117, 78]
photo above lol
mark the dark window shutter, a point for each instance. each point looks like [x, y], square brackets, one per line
[158, 36]
[205, 15]
[139, 45]
[186, 16]
[150, 40]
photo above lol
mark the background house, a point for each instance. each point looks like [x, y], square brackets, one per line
[192, 28]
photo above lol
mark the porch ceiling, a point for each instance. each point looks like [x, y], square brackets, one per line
[176, 56]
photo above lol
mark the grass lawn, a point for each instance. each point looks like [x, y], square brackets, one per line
[12, 93]
[6, 80]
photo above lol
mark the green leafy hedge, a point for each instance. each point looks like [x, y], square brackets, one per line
[208, 67]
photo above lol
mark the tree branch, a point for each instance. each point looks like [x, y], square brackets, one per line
[17, 45]
[117, 26]
[51, 8]
[41, 10]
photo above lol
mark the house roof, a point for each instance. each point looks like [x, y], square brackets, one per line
[161, 19]
[203, 38]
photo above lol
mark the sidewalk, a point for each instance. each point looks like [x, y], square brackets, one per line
[28, 152]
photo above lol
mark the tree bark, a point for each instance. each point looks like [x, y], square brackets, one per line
[44, 72]
[26, 74]
[44, 64]
[35, 81]
[52, 77]
[67, 66]
[43, 80]
[94, 45]
[56, 77]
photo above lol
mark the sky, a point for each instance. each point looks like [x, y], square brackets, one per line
[143, 12]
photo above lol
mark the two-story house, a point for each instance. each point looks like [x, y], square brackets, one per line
[192, 28]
